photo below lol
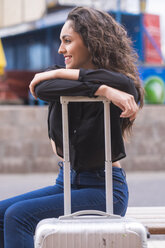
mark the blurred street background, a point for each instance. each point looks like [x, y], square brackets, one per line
[29, 41]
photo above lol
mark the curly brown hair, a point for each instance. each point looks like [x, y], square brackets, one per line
[109, 46]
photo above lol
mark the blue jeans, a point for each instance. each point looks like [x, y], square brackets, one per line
[20, 215]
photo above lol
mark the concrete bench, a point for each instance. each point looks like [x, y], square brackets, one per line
[153, 218]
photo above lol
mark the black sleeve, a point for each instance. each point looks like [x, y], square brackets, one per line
[51, 90]
[87, 84]
[113, 79]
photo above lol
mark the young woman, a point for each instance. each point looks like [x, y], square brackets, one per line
[99, 62]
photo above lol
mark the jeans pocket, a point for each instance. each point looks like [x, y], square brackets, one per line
[118, 182]
[120, 197]
[120, 189]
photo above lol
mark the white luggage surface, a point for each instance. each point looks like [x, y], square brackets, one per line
[90, 232]
[89, 228]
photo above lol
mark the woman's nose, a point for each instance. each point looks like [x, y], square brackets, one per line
[61, 49]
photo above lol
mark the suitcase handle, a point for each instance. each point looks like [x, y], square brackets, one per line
[89, 212]
[108, 160]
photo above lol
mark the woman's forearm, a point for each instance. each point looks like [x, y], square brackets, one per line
[66, 82]
[102, 91]
[69, 74]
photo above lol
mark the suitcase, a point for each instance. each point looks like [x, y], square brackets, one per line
[89, 228]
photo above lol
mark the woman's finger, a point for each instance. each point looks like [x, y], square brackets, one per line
[131, 107]
[133, 117]
[127, 111]
[31, 87]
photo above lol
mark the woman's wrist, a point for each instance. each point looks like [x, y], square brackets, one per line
[51, 74]
[102, 90]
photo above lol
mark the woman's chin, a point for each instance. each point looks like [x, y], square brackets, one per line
[69, 66]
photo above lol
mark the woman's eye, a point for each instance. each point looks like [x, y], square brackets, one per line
[67, 41]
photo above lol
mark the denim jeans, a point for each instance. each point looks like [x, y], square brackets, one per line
[19, 215]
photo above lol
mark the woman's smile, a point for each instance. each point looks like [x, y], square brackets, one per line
[67, 59]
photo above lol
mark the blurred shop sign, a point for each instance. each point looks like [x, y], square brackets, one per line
[20, 11]
[152, 39]
[2, 59]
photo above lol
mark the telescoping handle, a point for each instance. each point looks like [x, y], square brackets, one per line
[108, 160]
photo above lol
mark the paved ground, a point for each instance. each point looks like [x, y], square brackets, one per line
[146, 189]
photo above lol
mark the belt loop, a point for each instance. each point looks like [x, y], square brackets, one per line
[73, 176]
[123, 172]
[60, 164]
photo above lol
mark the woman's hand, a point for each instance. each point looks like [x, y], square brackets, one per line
[39, 77]
[123, 100]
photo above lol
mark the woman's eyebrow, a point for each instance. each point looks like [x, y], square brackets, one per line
[64, 36]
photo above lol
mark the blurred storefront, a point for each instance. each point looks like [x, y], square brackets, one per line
[31, 40]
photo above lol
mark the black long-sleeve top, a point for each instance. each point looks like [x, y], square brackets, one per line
[86, 120]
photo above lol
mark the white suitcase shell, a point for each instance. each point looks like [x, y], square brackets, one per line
[90, 228]
[90, 232]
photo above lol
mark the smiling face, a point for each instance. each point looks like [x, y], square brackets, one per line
[72, 47]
